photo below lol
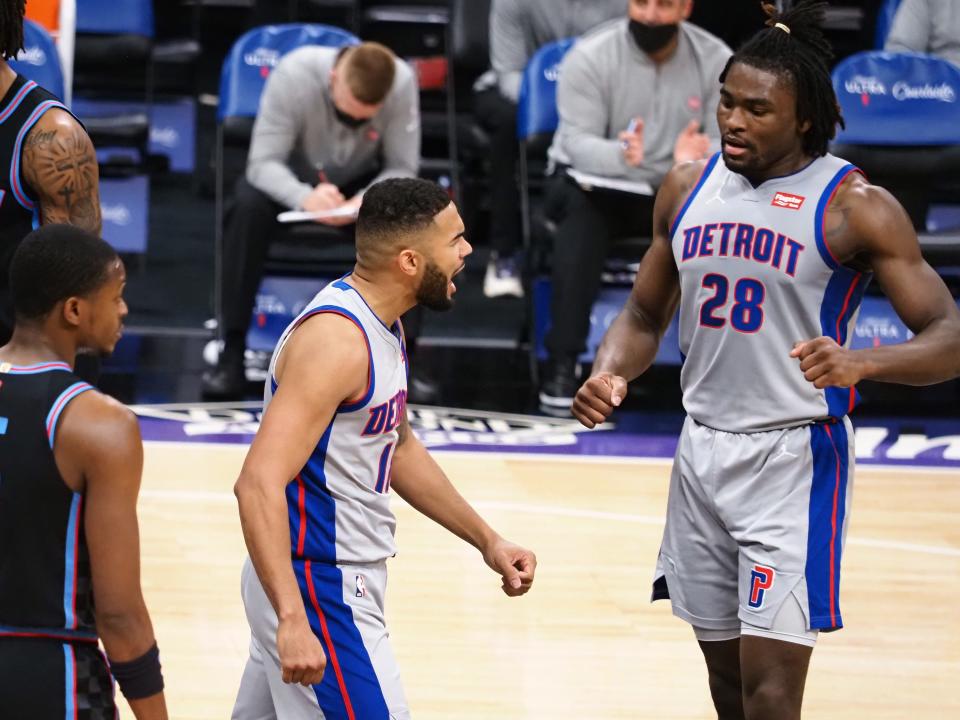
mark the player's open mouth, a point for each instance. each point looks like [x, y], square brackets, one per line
[734, 147]
[453, 288]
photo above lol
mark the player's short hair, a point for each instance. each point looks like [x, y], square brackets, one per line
[11, 27]
[392, 211]
[368, 70]
[56, 262]
[802, 56]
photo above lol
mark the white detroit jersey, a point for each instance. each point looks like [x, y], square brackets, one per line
[339, 506]
[757, 276]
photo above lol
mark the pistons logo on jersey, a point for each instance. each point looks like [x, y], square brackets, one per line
[761, 580]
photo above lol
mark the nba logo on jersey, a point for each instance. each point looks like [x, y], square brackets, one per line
[788, 201]
[361, 587]
[761, 580]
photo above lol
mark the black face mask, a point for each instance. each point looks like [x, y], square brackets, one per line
[349, 120]
[652, 38]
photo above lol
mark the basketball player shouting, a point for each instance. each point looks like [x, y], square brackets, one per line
[767, 248]
[314, 491]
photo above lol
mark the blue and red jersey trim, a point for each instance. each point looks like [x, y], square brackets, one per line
[17, 100]
[37, 368]
[707, 170]
[53, 417]
[828, 500]
[48, 634]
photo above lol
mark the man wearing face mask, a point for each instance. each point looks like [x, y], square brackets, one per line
[635, 96]
[331, 123]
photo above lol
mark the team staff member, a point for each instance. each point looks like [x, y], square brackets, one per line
[331, 122]
[634, 96]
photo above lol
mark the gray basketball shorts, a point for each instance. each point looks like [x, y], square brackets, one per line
[753, 518]
[345, 607]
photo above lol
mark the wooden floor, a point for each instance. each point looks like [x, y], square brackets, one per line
[585, 644]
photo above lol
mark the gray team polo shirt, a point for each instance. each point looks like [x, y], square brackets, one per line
[296, 131]
[606, 80]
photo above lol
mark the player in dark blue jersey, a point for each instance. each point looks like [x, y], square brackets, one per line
[48, 167]
[70, 464]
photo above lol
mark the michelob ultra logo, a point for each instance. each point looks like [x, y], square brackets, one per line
[262, 57]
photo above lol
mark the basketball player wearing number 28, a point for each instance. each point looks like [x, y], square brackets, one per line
[767, 248]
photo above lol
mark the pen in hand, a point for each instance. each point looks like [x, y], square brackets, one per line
[321, 173]
[631, 128]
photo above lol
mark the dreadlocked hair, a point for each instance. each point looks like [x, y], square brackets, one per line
[11, 27]
[793, 46]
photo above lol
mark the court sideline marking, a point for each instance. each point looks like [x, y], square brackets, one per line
[226, 496]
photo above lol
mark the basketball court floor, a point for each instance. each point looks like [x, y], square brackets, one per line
[585, 644]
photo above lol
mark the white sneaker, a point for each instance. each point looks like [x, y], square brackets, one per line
[502, 277]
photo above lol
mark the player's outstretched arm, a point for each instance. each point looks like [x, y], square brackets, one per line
[60, 165]
[867, 227]
[418, 479]
[99, 440]
[630, 343]
[323, 364]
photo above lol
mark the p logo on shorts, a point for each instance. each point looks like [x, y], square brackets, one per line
[761, 580]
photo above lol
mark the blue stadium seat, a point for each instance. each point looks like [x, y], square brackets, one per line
[898, 99]
[242, 79]
[885, 21]
[537, 120]
[902, 112]
[253, 56]
[109, 17]
[39, 60]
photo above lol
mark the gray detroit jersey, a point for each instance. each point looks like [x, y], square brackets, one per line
[339, 503]
[757, 276]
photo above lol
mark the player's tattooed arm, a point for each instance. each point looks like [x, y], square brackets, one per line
[60, 166]
[871, 230]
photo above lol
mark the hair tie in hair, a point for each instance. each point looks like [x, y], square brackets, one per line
[782, 27]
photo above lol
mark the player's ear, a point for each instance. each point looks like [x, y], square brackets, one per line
[804, 127]
[70, 311]
[409, 261]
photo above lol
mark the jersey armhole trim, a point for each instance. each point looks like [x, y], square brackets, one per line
[53, 417]
[704, 174]
[18, 98]
[347, 405]
[829, 192]
[15, 185]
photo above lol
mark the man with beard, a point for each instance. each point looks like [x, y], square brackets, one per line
[333, 442]
[330, 123]
[634, 97]
[767, 249]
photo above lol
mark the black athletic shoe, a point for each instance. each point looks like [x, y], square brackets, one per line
[560, 387]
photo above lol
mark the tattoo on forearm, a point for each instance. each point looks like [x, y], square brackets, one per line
[61, 167]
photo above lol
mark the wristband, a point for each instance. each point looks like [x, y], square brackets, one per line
[140, 677]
